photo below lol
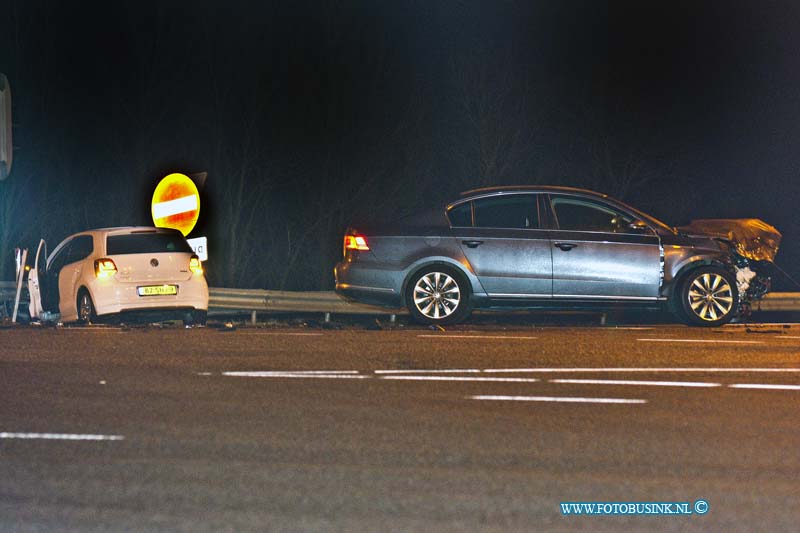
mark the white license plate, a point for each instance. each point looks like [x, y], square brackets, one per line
[158, 290]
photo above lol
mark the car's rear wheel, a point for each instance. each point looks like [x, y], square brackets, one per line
[708, 297]
[86, 312]
[438, 295]
[195, 318]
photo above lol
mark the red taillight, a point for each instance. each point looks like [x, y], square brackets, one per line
[194, 265]
[355, 242]
[104, 268]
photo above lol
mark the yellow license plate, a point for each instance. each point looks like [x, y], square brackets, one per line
[158, 290]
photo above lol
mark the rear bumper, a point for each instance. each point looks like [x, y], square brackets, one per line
[366, 285]
[115, 297]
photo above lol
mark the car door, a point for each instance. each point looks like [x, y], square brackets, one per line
[70, 271]
[49, 280]
[602, 252]
[35, 277]
[509, 252]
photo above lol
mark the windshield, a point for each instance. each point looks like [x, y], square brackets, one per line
[146, 243]
[647, 218]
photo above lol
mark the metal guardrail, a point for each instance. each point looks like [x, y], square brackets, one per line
[258, 300]
[248, 300]
[778, 301]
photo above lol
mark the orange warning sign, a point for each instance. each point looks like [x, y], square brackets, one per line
[176, 203]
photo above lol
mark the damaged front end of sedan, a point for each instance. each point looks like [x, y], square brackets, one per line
[752, 244]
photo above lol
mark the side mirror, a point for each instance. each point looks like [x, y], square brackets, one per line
[637, 226]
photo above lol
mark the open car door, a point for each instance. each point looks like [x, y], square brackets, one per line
[35, 278]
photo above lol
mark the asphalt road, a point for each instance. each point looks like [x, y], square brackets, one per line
[477, 428]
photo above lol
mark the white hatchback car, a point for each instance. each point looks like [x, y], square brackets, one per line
[129, 270]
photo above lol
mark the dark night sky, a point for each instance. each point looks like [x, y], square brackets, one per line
[686, 109]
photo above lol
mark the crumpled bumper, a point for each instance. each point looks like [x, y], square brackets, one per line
[751, 238]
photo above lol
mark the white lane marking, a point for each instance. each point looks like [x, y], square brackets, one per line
[714, 341]
[431, 371]
[640, 369]
[627, 328]
[759, 324]
[787, 337]
[763, 386]
[285, 333]
[348, 374]
[93, 327]
[175, 207]
[462, 378]
[555, 399]
[58, 436]
[204, 374]
[259, 372]
[475, 337]
[628, 382]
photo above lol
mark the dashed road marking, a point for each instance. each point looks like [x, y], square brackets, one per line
[436, 375]
[759, 324]
[629, 382]
[58, 436]
[285, 333]
[517, 337]
[556, 399]
[639, 369]
[431, 371]
[764, 386]
[708, 341]
[462, 378]
[322, 374]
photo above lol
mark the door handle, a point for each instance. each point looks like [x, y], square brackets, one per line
[566, 246]
[472, 244]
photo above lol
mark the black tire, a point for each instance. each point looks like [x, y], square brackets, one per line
[85, 308]
[447, 303]
[707, 296]
[195, 318]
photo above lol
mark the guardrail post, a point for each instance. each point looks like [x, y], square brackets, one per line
[327, 317]
[392, 318]
[254, 317]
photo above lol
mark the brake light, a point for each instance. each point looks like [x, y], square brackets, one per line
[104, 268]
[355, 242]
[194, 265]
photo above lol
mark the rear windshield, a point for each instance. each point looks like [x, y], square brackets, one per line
[146, 243]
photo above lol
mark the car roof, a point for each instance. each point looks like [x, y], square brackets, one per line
[125, 229]
[530, 188]
[100, 233]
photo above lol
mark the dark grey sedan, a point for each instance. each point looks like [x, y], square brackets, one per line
[558, 248]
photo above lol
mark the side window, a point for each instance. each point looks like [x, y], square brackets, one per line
[82, 247]
[60, 258]
[507, 211]
[461, 215]
[579, 214]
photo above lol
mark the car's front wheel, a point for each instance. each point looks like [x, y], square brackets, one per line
[708, 297]
[438, 295]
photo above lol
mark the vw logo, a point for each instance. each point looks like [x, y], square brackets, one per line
[154, 262]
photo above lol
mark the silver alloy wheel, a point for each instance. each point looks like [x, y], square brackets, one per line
[85, 309]
[710, 297]
[436, 295]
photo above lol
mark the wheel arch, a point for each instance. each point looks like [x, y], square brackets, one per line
[691, 265]
[421, 265]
